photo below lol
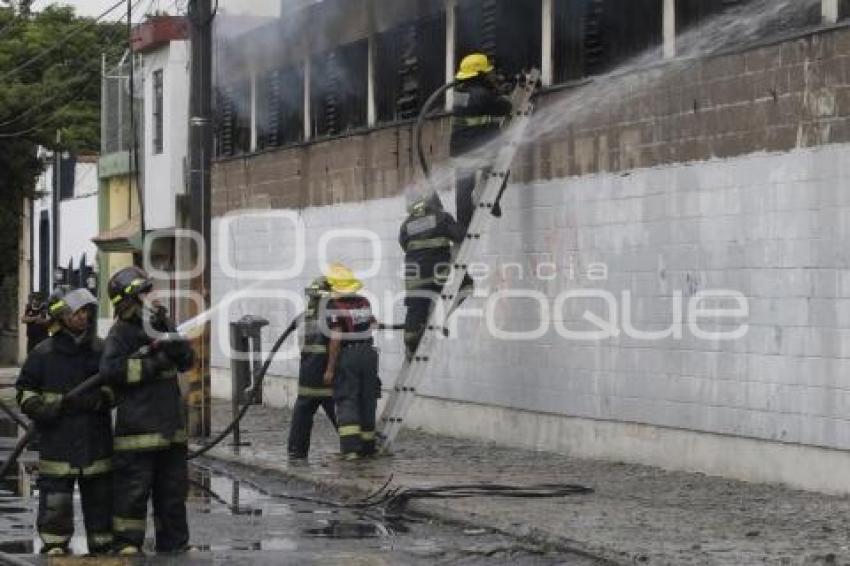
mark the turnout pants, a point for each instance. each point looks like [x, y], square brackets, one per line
[416, 318]
[465, 182]
[55, 520]
[161, 475]
[356, 396]
[301, 427]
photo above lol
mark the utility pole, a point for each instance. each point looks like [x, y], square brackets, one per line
[55, 196]
[200, 150]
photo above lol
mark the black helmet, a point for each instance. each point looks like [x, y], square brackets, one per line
[126, 285]
[318, 287]
[56, 302]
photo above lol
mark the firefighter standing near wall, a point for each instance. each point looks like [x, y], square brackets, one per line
[75, 433]
[427, 237]
[478, 113]
[150, 431]
[352, 363]
[312, 392]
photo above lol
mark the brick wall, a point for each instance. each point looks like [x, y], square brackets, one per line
[777, 97]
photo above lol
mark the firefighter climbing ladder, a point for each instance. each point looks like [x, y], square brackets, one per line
[413, 372]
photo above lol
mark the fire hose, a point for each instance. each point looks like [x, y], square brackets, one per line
[96, 381]
[420, 122]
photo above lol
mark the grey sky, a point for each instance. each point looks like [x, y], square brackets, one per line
[97, 7]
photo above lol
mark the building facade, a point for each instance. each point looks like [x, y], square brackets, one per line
[153, 165]
[673, 154]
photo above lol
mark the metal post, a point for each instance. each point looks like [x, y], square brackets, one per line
[254, 126]
[829, 11]
[451, 25]
[238, 370]
[245, 363]
[307, 110]
[57, 189]
[371, 110]
[546, 73]
[669, 26]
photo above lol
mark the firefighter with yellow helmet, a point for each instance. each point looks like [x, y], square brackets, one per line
[352, 367]
[478, 112]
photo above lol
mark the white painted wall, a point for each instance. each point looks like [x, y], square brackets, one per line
[773, 227]
[164, 173]
[78, 218]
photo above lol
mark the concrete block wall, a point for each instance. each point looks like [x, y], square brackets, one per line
[768, 226]
[651, 203]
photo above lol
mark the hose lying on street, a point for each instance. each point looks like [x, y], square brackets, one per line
[393, 500]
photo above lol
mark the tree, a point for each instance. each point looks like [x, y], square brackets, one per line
[49, 80]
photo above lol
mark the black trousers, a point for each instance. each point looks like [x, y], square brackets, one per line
[301, 427]
[416, 319]
[464, 188]
[356, 395]
[159, 475]
[55, 520]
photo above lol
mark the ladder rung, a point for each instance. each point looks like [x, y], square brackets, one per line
[414, 370]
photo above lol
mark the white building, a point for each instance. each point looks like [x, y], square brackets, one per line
[78, 222]
[165, 87]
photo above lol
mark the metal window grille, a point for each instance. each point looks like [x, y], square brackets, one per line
[233, 124]
[284, 112]
[115, 108]
[410, 65]
[593, 36]
[509, 32]
[339, 90]
[157, 112]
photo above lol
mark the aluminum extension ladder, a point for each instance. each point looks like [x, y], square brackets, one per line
[413, 371]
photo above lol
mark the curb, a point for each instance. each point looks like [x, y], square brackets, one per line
[438, 510]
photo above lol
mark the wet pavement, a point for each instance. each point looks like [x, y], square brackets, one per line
[241, 515]
[637, 514]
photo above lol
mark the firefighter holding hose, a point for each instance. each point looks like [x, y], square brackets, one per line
[478, 113]
[150, 443]
[312, 392]
[75, 432]
[352, 367]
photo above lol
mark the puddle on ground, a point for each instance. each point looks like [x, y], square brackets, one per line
[348, 530]
[240, 517]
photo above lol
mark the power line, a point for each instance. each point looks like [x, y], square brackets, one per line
[78, 94]
[62, 41]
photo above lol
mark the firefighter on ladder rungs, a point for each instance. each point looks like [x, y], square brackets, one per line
[478, 114]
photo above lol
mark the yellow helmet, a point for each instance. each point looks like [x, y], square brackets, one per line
[473, 65]
[342, 280]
